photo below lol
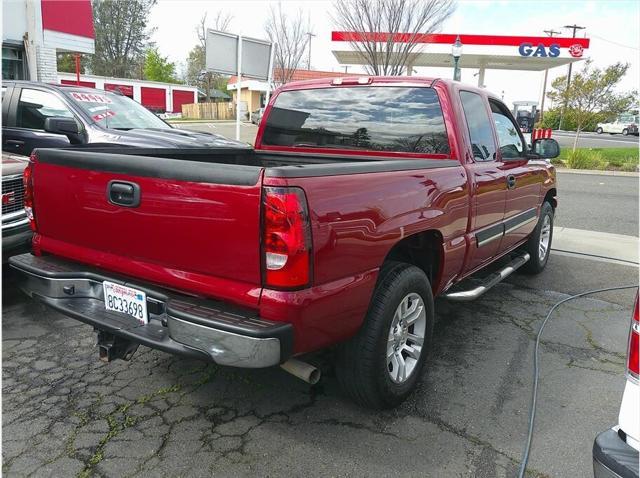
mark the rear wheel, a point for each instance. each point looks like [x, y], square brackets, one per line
[625, 132]
[379, 367]
[599, 130]
[539, 244]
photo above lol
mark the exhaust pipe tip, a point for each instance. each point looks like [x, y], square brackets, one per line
[302, 370]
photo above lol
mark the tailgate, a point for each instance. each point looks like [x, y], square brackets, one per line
[197, 224]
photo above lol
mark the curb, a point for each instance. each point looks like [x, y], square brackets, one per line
[597, 172]
[594, 243]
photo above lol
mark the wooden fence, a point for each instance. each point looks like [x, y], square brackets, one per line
[216, 111]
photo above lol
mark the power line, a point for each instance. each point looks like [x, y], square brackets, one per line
[615, 43]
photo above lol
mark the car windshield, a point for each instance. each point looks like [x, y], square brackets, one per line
[114, 111]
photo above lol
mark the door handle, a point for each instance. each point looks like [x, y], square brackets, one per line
[14, 143]
[123, 193]
[511, 181]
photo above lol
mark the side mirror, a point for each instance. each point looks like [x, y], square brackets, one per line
[61, 125]
[546, 148]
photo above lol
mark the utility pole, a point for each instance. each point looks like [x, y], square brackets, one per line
[309, 34]
[546, 74]
[575, 28]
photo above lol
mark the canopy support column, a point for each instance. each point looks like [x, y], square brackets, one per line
[481, 77]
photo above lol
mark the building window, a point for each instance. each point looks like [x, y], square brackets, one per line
[12, 64]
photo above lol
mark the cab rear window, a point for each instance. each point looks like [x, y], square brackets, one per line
[369, 118]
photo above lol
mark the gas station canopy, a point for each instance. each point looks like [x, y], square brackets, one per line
[496, 52]
[468, 60]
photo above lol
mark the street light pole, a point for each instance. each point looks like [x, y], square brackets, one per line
[456, 53]
[309, 34]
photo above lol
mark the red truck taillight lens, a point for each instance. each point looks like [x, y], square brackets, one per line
[286, 240]
[634, 343]
[27, 181]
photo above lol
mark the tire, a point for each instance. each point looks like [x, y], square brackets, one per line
[533, 246]
[365, 370]
[599, 130]
[625, 132]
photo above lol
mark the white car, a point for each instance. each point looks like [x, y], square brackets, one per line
[626, 124]
[615, 451]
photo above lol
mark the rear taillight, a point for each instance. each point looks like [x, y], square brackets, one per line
[634, 343]
[27, 180]
[286, 240]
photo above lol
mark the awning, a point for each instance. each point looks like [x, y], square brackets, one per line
[467, 60]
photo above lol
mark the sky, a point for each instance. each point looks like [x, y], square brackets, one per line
[612, 25]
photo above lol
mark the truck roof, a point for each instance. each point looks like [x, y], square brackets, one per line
[380, 80]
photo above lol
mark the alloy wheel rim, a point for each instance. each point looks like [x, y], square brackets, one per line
[545, 238]
[406, 337]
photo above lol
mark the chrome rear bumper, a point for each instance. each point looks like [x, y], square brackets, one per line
[181, 325]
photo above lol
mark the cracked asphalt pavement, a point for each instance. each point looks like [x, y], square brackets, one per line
[65, 413]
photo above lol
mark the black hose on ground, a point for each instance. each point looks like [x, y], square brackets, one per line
[536, 369]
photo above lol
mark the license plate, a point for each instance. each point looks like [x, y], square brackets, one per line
[120, 298]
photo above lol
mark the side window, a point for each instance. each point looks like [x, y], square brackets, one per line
[479, 124]
[509, 138]
[35, 106]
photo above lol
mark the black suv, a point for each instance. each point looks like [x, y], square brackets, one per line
[41, 115]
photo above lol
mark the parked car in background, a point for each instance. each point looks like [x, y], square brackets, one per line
[40, 115]
[624, 124]
[16, 233]
[363, 199]
[616, 451]
[256, 116]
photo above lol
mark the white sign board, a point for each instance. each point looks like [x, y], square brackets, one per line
[231, 54]
[222, 55]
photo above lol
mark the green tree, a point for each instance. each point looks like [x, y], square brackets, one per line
[121, 37]
[158, 67]
[592, 91]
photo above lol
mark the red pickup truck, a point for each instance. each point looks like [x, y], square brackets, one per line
[362, 200]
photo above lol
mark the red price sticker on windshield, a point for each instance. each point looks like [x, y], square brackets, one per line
[101, 116]
[90, 97]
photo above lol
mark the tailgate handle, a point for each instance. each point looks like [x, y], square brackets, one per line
[123, 193]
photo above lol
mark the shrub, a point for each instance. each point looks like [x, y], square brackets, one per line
[584, 159]
[551, 120]
[631, 167]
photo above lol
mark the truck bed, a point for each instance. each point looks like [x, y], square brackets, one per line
[275, 162]
[197, 227]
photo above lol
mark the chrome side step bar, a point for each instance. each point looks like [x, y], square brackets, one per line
[489, 282]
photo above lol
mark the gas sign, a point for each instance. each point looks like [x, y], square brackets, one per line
[540, 51]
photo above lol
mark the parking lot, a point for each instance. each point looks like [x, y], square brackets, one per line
[159, 415]
[65, 413]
